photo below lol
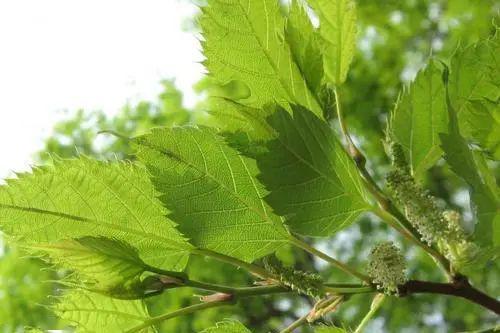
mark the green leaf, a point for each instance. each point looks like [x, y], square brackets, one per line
[329, 329]
[471, 166]
[244, 41]
[304, 44]
[91, 312]
[212, 192]
[474, 86]
[338, 31]
[475, 74]
[321, 191]
[77, 198]
[229, 326]
[102, 265]
[481, 123]
[418, 119]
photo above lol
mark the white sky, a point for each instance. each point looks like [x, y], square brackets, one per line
[94, 54]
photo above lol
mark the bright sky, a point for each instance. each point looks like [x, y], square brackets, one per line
[94, 54]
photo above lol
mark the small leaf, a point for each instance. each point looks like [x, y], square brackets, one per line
[77, 198]
[304, 44]
[329, 329]
[229, 326]
[254, 51]
[91, 313]
[212, 191]
[419, 118]
[338, 32]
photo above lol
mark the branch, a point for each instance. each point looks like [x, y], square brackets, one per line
[460, 288]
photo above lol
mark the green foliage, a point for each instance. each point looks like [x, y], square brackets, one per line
[253, 52]
[227, 327]
[91, 313]
[322, 191]
[418, 119]
[276, 170]
[212, 191]
[76, 198]
[338, 31]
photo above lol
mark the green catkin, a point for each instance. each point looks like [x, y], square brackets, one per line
[306, 283]
[387, 267]
[419, 205]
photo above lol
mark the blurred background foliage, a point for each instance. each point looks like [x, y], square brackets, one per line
[395, 38]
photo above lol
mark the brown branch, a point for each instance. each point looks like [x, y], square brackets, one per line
[459, 288]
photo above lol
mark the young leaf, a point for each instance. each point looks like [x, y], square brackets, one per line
[470, 166]
[228, 326]
[244, 41]
[329, 329]
[338, 32]
[92, 313]
[419, 118]
[304, 44]
[474, 87]
[77, 198]
[475, 74]
[311, 179]
[102, 265]
[212, 192]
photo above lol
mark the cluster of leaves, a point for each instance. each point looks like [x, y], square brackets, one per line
[275, 169]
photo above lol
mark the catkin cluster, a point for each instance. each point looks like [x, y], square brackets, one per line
[433, 223]
[387, 267]
[306, 283]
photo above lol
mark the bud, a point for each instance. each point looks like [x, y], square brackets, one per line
[387, 267]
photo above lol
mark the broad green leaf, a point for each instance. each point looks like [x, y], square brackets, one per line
[481, 122]
[472, 168]
[475, 74]
[244, 41]
[311, 179]
[419, 117]
[474, 86]
[228, 326]
[338, 31]
[95, 313]
[102, 265]
[77, 198]
[212, 192]
[304, 44]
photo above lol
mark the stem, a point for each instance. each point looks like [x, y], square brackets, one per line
[460, 288]
[184, 311]
[398, 220]
[349, 290]
[306, 247]
[296, 324]
[353, 150]
[376, 303]
[256, 270]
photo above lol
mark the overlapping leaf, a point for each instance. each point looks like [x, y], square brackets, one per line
[212, 192]
[311, 179]
[419, 117]
[338, 32]
[304, 44]
[77, 198]
[471, 166]
[94, 313]
[244, 41]
[474, 86]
